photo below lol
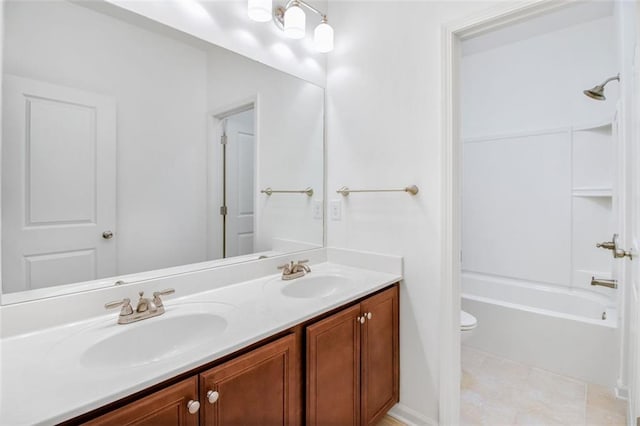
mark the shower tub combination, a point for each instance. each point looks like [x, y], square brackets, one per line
[573, 333]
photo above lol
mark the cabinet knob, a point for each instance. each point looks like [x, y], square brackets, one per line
[193, 406]
[369, 315]
[362, 319]
[212, 396]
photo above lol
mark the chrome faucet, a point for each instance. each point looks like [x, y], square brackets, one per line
[146, 308]
[293, 270]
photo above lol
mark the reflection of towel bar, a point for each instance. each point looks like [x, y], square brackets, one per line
[413, 190]
[269, 191]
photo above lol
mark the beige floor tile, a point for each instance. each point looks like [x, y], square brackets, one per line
[471, 358]
[603, 408]
[390, 421]
[497, 392]
[556, 387]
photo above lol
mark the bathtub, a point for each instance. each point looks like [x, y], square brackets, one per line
[569, 332]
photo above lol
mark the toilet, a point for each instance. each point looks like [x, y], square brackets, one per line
[467, 324]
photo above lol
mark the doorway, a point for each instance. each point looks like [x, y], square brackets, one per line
[600, 199]
[233, 192]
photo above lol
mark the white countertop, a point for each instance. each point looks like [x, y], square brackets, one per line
[44, 382]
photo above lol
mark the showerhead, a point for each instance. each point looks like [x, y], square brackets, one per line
[597, 92]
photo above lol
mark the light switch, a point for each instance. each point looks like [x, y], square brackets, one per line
[335, 208]
[317, 209]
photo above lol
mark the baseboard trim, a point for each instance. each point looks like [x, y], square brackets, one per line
[409, 416]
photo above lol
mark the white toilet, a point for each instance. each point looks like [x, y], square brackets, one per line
[467, 324]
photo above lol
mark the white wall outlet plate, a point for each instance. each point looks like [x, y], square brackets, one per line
[335, 209]
[317, 209]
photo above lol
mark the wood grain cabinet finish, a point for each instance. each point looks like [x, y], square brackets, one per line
[259, 388]
[167, 407]
[353, 363]
[380, 369]
[333, 369]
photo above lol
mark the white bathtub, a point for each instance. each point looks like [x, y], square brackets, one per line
[557, 329]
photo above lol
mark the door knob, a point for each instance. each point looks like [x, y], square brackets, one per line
[107, 235]
[212, 396]
[193, 406]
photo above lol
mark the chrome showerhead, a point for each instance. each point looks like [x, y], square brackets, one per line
[597, 92]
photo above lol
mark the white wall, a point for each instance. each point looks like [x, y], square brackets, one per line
[160, 89]
[225, 23]
[384, 130]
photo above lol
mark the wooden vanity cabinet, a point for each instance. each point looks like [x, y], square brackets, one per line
[351, 378]
[258, 388]
[165, 407]
[353, 363]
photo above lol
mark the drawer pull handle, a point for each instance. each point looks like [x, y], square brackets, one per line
[212, 396]
[193, 406]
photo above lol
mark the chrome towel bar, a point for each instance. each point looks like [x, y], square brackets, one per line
[269, 191]
[412, 189]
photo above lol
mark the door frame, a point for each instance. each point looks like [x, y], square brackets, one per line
[452, 35]
[215, 221]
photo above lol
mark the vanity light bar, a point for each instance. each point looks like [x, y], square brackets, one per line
[292, 20]
[412, 189]
[269, 191]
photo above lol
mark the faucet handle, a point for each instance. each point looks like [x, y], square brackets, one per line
[285, 266]
[157, 294]
[125, 303]
[300, 262]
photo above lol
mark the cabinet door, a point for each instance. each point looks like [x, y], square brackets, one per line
[333, 369]
[380, 353]
[258, 388]
[165, 407]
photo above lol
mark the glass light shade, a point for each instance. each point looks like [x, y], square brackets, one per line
[323, 38]
[294, 22]
[260, 10]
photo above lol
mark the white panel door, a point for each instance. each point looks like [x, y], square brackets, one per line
[240, 184]
[58, 185]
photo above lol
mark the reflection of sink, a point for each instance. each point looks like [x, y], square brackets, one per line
[155, 339]
[312, 286]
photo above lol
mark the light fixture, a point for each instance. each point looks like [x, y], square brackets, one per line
[292, 20]
[260, 10]
[323, 37]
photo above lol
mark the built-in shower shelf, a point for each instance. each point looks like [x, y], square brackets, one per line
[592, 192]
[603, 125]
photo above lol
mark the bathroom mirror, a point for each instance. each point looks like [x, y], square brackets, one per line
[130, 150]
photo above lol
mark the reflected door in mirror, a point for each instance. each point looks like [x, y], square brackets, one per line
[239, 184]
[58, 185]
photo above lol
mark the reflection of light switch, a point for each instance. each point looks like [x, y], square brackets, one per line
[317, 209]
[335, 207]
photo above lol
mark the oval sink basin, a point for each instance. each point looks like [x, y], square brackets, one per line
[313, 286]
[154, 340]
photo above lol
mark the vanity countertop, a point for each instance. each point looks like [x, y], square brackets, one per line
[44, 379]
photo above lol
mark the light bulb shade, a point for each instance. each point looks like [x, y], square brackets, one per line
[294, 22]
[260, 10]
[323, 38]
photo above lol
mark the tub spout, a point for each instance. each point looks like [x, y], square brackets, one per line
[604, 283]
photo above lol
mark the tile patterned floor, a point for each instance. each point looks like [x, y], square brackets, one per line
[497, 392]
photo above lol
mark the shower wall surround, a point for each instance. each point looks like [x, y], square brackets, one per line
[538, 158]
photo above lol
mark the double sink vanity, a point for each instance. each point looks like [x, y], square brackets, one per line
[234, 345]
